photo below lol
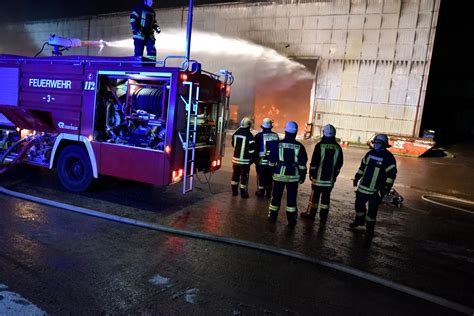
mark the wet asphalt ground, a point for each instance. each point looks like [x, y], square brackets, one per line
[68, 263]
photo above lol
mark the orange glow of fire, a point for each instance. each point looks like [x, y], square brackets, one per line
[291, 104]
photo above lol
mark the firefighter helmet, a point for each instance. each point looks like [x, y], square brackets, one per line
[267, 123]
[246, 122]
[329, 130]
[382, 138]
[291, 127]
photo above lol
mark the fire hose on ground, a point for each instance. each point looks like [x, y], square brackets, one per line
[428, 198]
[251, 245]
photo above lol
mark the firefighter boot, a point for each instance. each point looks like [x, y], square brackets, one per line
[260, 193]
[235, 190]
[291, 217]
[369, 227]
[358, 221]
[244, 194]
[272, 216]
[323, 216]
[310, 213]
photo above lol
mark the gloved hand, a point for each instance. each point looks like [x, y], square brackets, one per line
[355, 182]
[384, 191]
[302, 178]
[381, 194]
[158, 29]
[310, 177]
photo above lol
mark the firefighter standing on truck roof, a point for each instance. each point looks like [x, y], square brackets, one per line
[263, 142]
[244, 150]
[374, 179]
[289, 158]
[325, 166]
[143, 21]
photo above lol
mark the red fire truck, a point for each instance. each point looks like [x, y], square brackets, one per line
[121, 117]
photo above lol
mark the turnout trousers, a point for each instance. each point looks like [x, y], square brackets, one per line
[362, 213]
[291, 194]
[319, 193]
[140, 47]
[240, 175]
[264, 178]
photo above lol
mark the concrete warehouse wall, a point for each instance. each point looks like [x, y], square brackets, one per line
[373, 55]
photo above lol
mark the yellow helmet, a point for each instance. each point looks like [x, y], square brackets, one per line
[246, 122]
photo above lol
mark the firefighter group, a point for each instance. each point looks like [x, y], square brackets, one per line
[281, 163]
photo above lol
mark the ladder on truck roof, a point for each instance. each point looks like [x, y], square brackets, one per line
[189, 143]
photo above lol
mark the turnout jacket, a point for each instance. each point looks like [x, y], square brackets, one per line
[264, 141]
[244, 146]
[289, 158]
[143, 21]
[377, 172]
[326, 162]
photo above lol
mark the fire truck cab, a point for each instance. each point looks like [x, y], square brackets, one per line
[90, 116]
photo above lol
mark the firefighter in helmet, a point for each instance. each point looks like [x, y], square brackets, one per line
[263, 142]
[373, 180]
[244, 150]
[325, 166]
[143, 22]
[288, 158]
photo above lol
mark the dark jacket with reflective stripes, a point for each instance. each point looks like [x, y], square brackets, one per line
[143, 21]
[377, 171]
[244, 146]
[289, 158]
[264, 141]
[326, 162]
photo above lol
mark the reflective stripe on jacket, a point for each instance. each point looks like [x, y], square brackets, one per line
[377, 171]
[244, 146]
[289, 160]
[143, 21]
[326, 162]
[264, 141]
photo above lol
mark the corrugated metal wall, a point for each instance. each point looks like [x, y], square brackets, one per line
[373, 77]
[373, 55]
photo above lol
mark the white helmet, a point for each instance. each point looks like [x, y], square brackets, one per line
[267, 123]
[383, 139]
[246, 122]
[291, 127]
[329, 130]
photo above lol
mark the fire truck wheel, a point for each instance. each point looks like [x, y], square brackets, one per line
[74, 168]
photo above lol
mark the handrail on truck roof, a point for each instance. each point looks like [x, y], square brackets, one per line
[80, 59]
